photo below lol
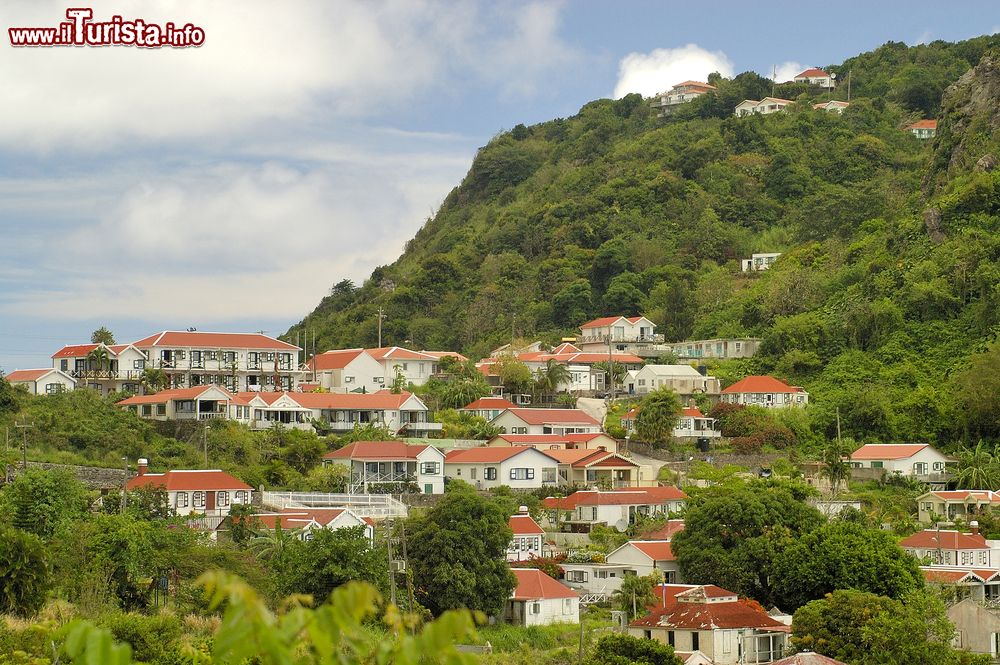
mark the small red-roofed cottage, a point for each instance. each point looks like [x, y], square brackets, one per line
[952, 548]
[914, 460]
[815, 76]
[725, 628]
[765, 391]
[526, 543]
[614, 508]
[923, 129]
[488, 407]
[303, 521]
[519, 467]
[546, 421]
[347, 371]
[949, 505]
[643, 557]
[600, 469]
[539, 600]
[44, 381]
[390, 462]
[589, 440]
[209, 492]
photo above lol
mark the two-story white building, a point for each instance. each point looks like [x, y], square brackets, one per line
[726, 629]
[546, 421]
[400, 413]
[379, 465]
[636, 557]
[679, 94]
[209, 492]
[764, 391]
[953, 548]
[765, 106]
[528, 538]
[923, 129]
[759, 262]
[520, 467]
[236, 361]
[101, 367]
[539, 600]
[684, 380]
[719, 349]
[815, 76]
[914, 460]
[613, 508]
[44, 381]
[595, 335]
[347, 371]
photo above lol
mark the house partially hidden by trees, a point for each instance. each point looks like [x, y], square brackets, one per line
[210, 492]
[44, 381]
[619, 508]
[539, 600]
[391, 467]
[949, 505]
[952, 548]
[759, 262]
[765, 391]
[765, 106]
[679, 94]
[923, 129]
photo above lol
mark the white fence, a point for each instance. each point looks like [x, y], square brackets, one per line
[364, 505]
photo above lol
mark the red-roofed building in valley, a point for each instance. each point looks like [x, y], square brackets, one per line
[614, 508]
[923, 129]
[914, 460]
[102, 367]
[653, 552]
[815, 76]
[589, 440]
[765, 391]
[539, 600]
[519, 467]
[488, 407]
[600, 468]
[526, 543]
[952, 548]
[44, 381]
[210, 492]
[728, 630]
[832, 106]
[979, 584]
[237, 361]
[765, 106]
[347, 371]
[945, 506]
[385, 463]
[304, 521]
[546, 421]
[679, 94]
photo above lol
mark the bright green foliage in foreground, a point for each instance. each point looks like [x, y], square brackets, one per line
[24, 572]
[622, 649]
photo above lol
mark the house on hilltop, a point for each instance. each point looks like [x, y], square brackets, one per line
[815, 76]
[765, 106]
[679, 94]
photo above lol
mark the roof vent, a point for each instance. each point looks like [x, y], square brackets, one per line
[522, 510]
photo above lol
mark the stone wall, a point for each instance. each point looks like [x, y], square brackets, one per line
[94, 477]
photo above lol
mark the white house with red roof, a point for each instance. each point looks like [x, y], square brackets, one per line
[210, 492]
[600, 468]
[237, 361]
[681, 93]
[546, 421]
[44, 381]
[614, 508]
[727, 629]
[584, 377]
[304, 521]
[760, 261]
[102, 367]
[765, 106]
[644, 557]
[347, 371]
[385, 463]
[832, 106]
[765, 391]
[914, 460]
[923, 129]
[948, 505]
[197, 403]
[684, 380]
[518, 467]
[528, 538]
[595, 335]
[400, 413]
[691, 423]
[488, 407]
[953, 548]
[586, 440]
[414, 366]
[979, 584]
[539, 600]
[815, 76]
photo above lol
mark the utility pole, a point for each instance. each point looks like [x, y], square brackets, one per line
[849, 85]
[611, 372]
[125, 486]
[24, 426]
[381, 316]
[392, 572]
[838, 429]
[409, 579]
[204, 443]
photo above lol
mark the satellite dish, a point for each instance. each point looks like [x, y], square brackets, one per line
[833, 75]
[622, 525]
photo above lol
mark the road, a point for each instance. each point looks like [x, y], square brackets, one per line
[597, 409]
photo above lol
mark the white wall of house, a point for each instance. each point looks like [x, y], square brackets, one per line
[209, 502]
[986, 558]
[513, 424]
[927, 460]
[414, 371]
[48, 384]
[767, 400]
[362, 373]
[635, 560]
[620, 516]
[543, 612]
[524, 546]
[682, 379]
[621, 330]
[594, 577]
[530, 469]
[430, 471]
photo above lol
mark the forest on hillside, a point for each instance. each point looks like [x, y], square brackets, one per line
[616, 211]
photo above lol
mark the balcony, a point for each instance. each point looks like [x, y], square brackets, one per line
[213, 415]
[105, 374]
[621, 339]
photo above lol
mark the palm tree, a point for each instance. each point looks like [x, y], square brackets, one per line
[549, 378]
[270, 545]
[978, 469]
[835, 468]
[153, 380]
[99, 357]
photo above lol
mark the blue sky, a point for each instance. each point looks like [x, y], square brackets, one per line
[227, 187]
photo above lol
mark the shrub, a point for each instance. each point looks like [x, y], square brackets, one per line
[24, 572]
[748, 445]
[153, 638]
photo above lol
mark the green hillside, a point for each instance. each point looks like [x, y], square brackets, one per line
[888, 284]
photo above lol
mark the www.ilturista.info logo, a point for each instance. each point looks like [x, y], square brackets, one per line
[80, 30]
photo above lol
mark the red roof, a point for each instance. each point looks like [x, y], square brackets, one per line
[552, 416]
[581, 357]
[946, 576]
[923, 124]
[968, 495]
[397, 353]
[524, 525]
[585, 458]
[187, 480]
[665, 532]
[695, 84]
[373, 450]
[28, 374]
[632, 496]
[813, 72]
[445, 354]
[74, 350]
[338, 359]
[214, 340]
[576, 437]
[657, 550]
[808, 658]
[381, 400]
[761, 384]
[692, 412]
[484, 403]
[564, 348]
[929, 539]
[887, 451]
[608, 320]
[533, 584]
[165, 396]
[689, 610]
[487, 455]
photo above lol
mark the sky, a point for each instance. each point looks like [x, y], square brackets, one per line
[227, 187]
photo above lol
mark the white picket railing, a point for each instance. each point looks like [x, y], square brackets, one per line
[364, 505]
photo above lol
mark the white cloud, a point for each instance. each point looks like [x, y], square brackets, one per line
[786, 71]
[261, 63]
[653, 72]
[924, 37]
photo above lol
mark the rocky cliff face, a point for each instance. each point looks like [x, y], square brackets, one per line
[968, 135]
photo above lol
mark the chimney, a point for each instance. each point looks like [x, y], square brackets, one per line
[143, 466]
[975, 527]
[522, 510]
[691, 403]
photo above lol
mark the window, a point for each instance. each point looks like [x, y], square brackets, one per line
[522, 474]
[966, 558]
[472, 473]
[983, 556]
[198, 499]
[939, 466]
[576, 575]
[241, 497]
[876, 465]
[995, 644]
[601, 574]
[53, 388]
[670, 638]
[253, 360]
[549, 475]
[348, 379]
[138, 364]
[222, 499]
[430, 467]
[518, 430]
[490, 473]
[535, 608]
[196, 359]
[64, 365]
[161, 409]
[147, 409]
[229, 357]
[567, 605]
[181, 500]
[694, 641]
